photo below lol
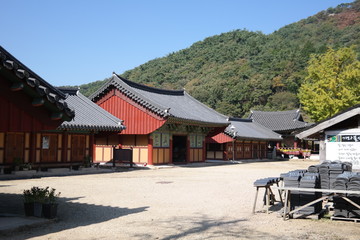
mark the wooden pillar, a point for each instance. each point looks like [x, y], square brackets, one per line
[32, 147]
[92, 146]
[65, 147]
[322, 148]
[187, 149]
[170, 150]
[150, 149]
[204, 151]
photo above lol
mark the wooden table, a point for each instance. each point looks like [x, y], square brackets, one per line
[330, 192]
[268, 194]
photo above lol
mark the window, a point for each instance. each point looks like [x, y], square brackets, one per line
[196, 141]
[161, 139]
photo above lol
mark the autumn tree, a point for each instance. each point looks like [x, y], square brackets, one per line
[332, 83]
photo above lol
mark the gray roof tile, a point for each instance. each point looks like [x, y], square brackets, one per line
[89, 116]
[279, 120]
[247, 129]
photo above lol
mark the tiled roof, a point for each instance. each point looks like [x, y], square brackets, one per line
[279, 120]
[165, 103]
[247, 129]
[89, 116]
[34, 85]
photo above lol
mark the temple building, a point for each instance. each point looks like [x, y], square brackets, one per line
[162, 126]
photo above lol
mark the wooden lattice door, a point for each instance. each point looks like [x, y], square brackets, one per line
[14, 147]
[78, 147]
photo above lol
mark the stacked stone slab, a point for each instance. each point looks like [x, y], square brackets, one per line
[340, 205]
[342, 208]
[292, 179]
[310, 180]
[335, 169]
[324, 175]
[327, 175]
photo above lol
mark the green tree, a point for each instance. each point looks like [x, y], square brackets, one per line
[332, 83]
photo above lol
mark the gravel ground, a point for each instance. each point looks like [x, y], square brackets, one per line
[192, 202]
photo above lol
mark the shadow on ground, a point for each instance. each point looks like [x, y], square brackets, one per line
[70, 214]
[204, 227]
[210, 163]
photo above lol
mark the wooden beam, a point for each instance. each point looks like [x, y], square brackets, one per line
[37, 102]
[17, 86]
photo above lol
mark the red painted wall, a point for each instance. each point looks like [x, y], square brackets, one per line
[137, 119]
[15, 118]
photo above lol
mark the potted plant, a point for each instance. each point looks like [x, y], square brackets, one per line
[28, 202]
[50, 204]
[35, 198]
[87, 161]
[26, 167]
[17, 162]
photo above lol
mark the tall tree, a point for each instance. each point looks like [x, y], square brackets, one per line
[332, 83]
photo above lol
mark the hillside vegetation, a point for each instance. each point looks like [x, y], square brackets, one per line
[241, 70]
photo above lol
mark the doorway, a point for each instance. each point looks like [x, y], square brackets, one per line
[179, 149]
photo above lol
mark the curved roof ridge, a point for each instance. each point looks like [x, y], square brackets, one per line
[150, 89]
[236, 119]
[279, 112]
[137, 96]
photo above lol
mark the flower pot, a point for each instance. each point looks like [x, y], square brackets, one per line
[38, 209]
[29, 208]
[50, 210]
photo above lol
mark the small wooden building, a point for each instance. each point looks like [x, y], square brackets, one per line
[242, 139]
[339, 136]
[74, 141]
[42, 125]
[162, 126]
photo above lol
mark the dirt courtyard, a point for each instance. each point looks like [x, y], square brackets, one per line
[191, 202]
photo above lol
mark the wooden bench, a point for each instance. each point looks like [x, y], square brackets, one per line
[269, 196]
[71, 165]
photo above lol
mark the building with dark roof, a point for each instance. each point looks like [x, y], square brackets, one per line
[45, 126]
[162, 126]
[339, 136]
[242, 139]
[281, 122]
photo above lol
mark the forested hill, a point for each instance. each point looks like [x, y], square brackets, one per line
[240, 70]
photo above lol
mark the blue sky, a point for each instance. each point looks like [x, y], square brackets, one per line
[72, 42]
